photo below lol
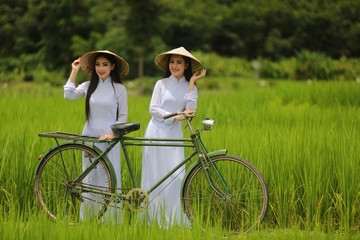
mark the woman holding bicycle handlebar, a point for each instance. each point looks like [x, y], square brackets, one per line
[105, 105]
[176, 92]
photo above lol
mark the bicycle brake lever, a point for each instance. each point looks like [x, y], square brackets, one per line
[189, 122]
[191, 116]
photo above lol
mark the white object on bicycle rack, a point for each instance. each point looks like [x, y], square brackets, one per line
[208, 124]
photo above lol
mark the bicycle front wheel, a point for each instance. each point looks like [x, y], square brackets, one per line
[61, 195]
[236, 200]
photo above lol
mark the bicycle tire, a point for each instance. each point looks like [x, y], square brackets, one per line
[61, 196]
[240, 210]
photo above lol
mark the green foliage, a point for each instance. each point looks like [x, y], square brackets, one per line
[310, 66]
[306, 65]
[142, 22]
[54, 78]
[313, 65]
[277, 70]
[20, 68]
[57, 32]
[220, 66]
[193, 24]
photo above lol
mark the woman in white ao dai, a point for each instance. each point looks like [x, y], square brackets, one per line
[177, 92]
[106, 104]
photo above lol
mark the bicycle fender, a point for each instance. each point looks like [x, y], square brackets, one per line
[210, 154]
[197, 162]
[217, 153]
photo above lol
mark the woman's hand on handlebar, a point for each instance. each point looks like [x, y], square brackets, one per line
[187, 112]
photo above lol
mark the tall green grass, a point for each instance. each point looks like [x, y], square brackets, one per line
[304, 138]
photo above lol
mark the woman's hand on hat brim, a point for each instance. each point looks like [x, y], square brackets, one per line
[196, 76]
[76, 64]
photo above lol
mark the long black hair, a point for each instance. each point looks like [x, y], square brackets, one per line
[188, 71]
[94, 81]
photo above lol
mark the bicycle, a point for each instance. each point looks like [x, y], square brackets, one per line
[218, 188]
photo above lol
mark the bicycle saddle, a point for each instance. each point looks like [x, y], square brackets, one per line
[121, 129]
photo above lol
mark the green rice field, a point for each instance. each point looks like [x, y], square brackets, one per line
[304, 139]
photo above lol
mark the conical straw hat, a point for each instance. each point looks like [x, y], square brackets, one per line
[161, 60]
[87, 62]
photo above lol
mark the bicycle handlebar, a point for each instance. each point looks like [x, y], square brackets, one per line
[178, 113]
[170, 115]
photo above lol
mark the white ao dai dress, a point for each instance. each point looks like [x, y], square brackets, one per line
[170, 95]
[108, 105]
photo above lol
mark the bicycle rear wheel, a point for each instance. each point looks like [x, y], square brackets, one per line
[61, 195]
[238, 204]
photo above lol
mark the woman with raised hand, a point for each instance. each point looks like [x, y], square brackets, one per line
[105, 105]
[176, 92]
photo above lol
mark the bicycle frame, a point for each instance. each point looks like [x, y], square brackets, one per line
[194, 142]
[163, 142]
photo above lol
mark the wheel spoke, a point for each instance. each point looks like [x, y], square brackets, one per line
[56, 190]
[242, 209]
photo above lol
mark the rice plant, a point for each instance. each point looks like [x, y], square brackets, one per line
[303, 138]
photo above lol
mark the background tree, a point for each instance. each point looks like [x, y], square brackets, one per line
[142, 25]
[51, 34]
[192, 24]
